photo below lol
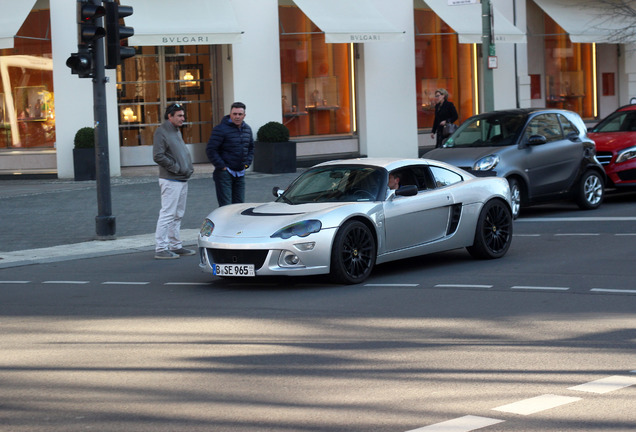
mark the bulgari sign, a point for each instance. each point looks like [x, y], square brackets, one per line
[184, 39]
[363, 37]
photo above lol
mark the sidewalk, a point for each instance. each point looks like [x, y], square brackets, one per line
[54, 220]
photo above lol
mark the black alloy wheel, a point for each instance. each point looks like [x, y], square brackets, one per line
[353, 254]
[493, 234]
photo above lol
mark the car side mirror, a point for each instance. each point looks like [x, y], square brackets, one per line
[573, 136]
[537, 140]
[276, 191]
[406, 190]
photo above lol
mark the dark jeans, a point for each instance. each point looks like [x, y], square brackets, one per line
[229, 189]
[439, 138]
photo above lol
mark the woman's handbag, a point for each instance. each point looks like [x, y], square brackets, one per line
[448, 129]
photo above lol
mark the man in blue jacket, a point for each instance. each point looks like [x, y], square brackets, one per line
[231, 150]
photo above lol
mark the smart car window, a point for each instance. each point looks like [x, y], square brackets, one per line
[494, 130]
[546, 125]
[444, 177]
[567, 126]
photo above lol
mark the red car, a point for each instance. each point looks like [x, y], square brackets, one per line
[615, 138]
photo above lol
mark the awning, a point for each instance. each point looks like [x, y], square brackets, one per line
[588, 23]
[466, 20]
[194, 22]
[347, 21]
[13, 15]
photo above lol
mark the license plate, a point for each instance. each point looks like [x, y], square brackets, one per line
[233, 269]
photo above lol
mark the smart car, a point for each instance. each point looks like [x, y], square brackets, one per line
[340, 218]
[545, 154]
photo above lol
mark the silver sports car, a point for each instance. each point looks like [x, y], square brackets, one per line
[341, 218]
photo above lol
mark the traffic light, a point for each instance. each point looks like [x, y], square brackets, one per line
[88, 32]
[115, 52]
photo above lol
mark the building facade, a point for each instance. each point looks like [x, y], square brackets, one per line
[347, 77]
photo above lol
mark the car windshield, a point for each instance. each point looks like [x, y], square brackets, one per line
[337, 184]
[497, 130]
[621, 121]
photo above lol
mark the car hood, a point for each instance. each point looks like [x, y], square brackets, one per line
[463, 157]
[263, 220]
[609, 141]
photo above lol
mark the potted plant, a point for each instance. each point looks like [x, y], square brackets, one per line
[84, 154]
[273, 152]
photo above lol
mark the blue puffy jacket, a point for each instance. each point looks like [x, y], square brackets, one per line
[230, 146]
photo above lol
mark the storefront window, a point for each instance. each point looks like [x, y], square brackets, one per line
[568, 71]
[159, 76]
[316, 78]
[27, 110]
[441, 62]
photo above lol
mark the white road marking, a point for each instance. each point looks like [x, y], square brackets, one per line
[187, 283]
[460, 424]
[536, 404]
[66, 282]
[576, 234]
[526, 235]
[625, 234]
[608, 290]
[606, 385]
[540, 288]
[461, 286]
[14, 282]
[579, 219]
[125, 283]
[391, 285]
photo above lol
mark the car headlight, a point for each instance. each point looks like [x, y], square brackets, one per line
[626, 154]
[300, 229]
[207, 228]
[486, 163]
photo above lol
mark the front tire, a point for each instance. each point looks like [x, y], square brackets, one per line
[493, 234]
[353, 253]
[515, 197]
[591, 191]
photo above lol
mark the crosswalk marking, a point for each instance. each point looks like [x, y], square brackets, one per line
[536, 404]
[606, 385]
[461, 424]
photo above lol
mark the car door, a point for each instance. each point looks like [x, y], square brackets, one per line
[552, 166]
[414, 220]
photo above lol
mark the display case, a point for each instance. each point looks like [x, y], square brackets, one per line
[289, 100]
[321, 93]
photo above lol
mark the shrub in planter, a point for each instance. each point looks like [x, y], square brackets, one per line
[273, 152]
[84, 154]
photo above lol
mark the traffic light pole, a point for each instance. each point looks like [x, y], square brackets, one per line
[104, 221]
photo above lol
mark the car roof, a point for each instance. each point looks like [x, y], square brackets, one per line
[387, 163]
[631, 107]
[524, 111]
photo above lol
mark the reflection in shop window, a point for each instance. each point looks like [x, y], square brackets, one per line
[27, 102]
[316, 78]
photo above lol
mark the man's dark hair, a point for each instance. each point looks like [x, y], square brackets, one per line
[171, 109]
[238, 105]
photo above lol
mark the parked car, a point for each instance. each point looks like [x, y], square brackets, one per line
[615, 138]
[544, 154]
[340, 218]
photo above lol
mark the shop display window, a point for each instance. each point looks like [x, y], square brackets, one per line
[27, 103]
[568, 72]
[158, 76]
[441, 62]
[316, 78]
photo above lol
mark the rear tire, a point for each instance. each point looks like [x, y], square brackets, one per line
[493, 233]
[590, 191]
[353, 253]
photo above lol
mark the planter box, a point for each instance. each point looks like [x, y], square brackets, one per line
[275, 158]
[84, 164]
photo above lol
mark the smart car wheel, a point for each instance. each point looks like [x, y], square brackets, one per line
[515, 197]
[591, 191]
[353, 253]
[494, 231]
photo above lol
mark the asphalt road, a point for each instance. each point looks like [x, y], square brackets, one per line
[540, 340]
